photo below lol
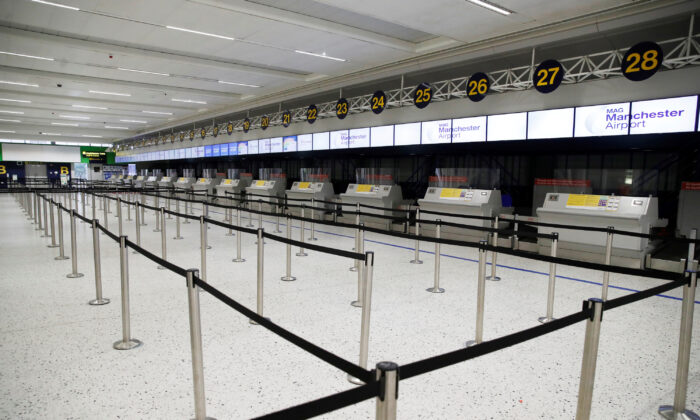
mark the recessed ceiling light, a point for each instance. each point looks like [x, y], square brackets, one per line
[322, 55]
[15, 100]
[91, 136]
[189, 101]
[65, 124]
[238, 84]
[116, 127]
[157, 112]
[7, 131]
[200, 33]
[69, 143]
[5, 82]
[143, 71]
[50, 134]
[74, 117]
[5, 120]
[27, 56]
[135, 121]
[491, 6]
[88, 107]
[56, 4]
[109, 93]
[12, 112]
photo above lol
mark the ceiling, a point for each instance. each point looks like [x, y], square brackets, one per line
[79, 83]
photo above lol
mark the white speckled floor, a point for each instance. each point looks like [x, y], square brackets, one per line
[57, 361]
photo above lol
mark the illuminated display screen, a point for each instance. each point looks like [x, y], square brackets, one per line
[358, 137]
[550, 124]
[406, 134]
[506, 127]
[382, 136]
[434, 132]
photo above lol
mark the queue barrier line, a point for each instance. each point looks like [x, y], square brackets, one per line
[635, 297]
[487, 229]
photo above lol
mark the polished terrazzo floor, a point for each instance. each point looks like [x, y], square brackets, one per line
[57, 361]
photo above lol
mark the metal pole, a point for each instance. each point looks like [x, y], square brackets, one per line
[250, 215]
[83, 199]
[73, 248]
[366, 309]
[167, 204]
[238, 238]
[678, 409]
[187, 221]
[203, 247]
[313, 224]
[228, 216]
[105, 211]
[200, 409]
[261, 267]
[137, 224]
[416, 256]
[608, 258]
[92, 199]
[361, 249]
[356, 264]
[301, 252]
[436, 277]
[494, 254]
[46, 218]
[126, 343]
[53, 227]
[37, 213]
[550, 286]
[119, 216]
[128, 211]
[289, 276]
[164, 253]
[157, 213]
[108, 205]
[99, 300]
[143, 210]
[61, 254]
[260, 218]
[588, 364]
[480, 292]
[102, 202]
[277, 224]
[177, 219]
[387, 374]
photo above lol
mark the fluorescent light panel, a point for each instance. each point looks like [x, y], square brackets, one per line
[91, 136]
[491, 6]
[135, 121]
[16, 100]
[7, 131]
[65, 124]
[74, 117]
[200, 33]
[50, 134]
[143, 71]
[7, 82]
[27, 56]
[100, 92]
[189, 101]
[157, 112]
[323, 55]
[56, 4]
[5, 120]
[12, 112]
[237, 84]
[116, 127]
[88, 107]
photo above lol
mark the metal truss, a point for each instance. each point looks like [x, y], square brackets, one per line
[682, 52]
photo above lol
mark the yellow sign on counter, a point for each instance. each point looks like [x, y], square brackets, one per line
[202, 180]
[363, 188]
[227, 181]
[304, 185]
[583, 200]
[179, 179]
[450, 193]
[260, 183]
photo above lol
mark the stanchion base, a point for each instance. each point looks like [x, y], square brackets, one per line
[301, 254]
[230, 234]
[435, 290]
[251, 322]
[74, 275]
[416, 262]
[129, 220]
[144, 224]
[544, 319]
[207, 418]
[668, 413]
[186, 222]
[356, 303]
[178, 237]
[238, 260]
[156, 230]
[352, 269]
[160, 267]
[52, 246]
[45, 236]
[288, 278]
[127, 345]
[249, 225]
[471, 343]
[98, 302]
[355, 381]
[491, 278]
[278, 231]
[59, 258]
[312, 239]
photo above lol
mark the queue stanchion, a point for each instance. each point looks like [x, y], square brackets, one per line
[368, 269]
[249, 205]
[99, 299]
[494, 254]
[416, 257]
[192, 203]
[228, 217]
[203, 247]
[187, 221]
[177, 220]
[205, 210]
[75, 198]
[143, 210]
[73, 249]
[260, 215]
[678, 410]
[53, 226]
[102, 202]
[387, 374]
[515, 241]
[552, 280]
[608, 259]
[361, 249]
[61, 252]
[46, 219]
[288, 276]
[167, 204]
[128, 211]
[119, 216]
[157, 213]
[83, 199]
[108, 206]
[408, 220]
[127, 342]
[200, 409]
[37, 212]
[137, 225]
[260, 274]
[313, 224]
[278, 210]
[92, 207]
[480, 296]
[436, 276]
[301, 252]
[356, 264]
[238, 238]
[164, 251]
[30, 208]
[590, 356]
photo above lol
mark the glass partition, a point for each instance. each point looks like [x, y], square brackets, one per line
[233, 173]
[157, 172]
[477, 178]
[375, 176]
[267, 174]
[171, 173]
[314, 174]
[188, 173]
[209, 173]
[143, 172]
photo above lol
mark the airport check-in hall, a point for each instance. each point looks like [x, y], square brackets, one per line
[454, 209]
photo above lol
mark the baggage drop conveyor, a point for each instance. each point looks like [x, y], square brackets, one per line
[314, 183]
[233, 187]
[268, 189]
[374, 187]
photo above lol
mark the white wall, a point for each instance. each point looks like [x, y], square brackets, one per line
[40, 153]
